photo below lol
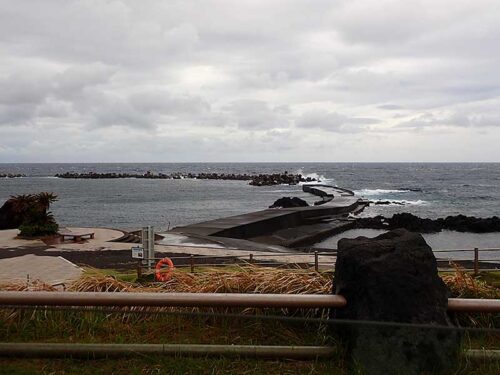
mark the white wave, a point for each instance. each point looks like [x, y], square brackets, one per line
[291, 190]
[316, 176]
[365, 192]
[401, 202]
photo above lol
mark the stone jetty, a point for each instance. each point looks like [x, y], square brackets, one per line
[288, 227]
[255, 180]
[11, 175]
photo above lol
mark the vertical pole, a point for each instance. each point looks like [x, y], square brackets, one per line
[251, 258]
[145, 247]
[139, 270]
[316, 261]
[476, 261]
[191, 262]
[151, 246]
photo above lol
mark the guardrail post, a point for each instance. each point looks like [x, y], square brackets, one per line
[191, 262]
[316, 261]
[476, 261]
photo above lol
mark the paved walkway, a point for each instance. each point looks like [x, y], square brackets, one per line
[51, 270]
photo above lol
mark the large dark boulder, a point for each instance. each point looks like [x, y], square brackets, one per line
[393, 278]
[288, 202]
[9, 218]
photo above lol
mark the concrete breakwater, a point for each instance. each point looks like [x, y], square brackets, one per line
[11, 175]
[256, 180]
[288, 227]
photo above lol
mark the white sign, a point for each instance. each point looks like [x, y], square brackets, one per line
[137, 252]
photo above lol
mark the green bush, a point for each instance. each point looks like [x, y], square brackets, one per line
[40, 229]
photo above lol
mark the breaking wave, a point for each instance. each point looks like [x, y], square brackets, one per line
[371, 192]
[314, 175]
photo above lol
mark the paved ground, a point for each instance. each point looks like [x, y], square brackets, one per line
[101, 253]
[51, 270]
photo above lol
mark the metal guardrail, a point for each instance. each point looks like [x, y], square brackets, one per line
[11, 298]
[85, 350]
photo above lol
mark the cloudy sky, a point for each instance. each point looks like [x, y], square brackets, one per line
[85, 81]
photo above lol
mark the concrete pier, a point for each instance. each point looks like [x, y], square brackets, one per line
[297, 226]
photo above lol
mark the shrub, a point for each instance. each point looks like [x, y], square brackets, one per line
[38, 229]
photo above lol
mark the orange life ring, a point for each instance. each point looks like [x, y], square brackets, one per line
[164, 276]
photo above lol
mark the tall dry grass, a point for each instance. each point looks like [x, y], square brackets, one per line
[245, 279]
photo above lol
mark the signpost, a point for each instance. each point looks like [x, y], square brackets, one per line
[137, 252]
[148, 244]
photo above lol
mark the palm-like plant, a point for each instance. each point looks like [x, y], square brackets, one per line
[30, 212]
[45, 199]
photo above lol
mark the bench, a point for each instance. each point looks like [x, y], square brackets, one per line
[75, 236]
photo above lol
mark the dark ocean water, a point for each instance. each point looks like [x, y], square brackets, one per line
[446, 189]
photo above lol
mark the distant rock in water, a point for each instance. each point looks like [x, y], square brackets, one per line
[288, 202]
[459, 223]
[280, 179]
[387, 203]
[255, 180]
[11, 175]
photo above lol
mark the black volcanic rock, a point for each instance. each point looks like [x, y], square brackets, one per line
[288, 202]
[460, 223]
[279, 179]
[9, 218]
[393, 278]
[255, 180]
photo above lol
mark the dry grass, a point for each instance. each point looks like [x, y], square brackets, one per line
[245, 279]
[464, 285]
[33, 286]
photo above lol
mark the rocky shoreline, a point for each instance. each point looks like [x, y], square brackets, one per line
[255, 180]
[459, 223]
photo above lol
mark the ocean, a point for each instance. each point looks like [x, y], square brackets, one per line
[424, 189]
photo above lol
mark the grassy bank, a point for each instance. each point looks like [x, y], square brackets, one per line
[208, 326]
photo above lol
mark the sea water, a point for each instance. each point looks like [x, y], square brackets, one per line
[424, 189]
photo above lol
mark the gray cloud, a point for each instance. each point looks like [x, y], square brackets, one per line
[334, 122]
[237, 80]
[257, 114]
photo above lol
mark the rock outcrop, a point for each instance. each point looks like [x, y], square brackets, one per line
[460, 223]
[279, 179]
[393, 278]
[9, 216]
[287, 202]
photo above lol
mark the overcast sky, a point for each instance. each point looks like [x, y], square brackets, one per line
[88, 81]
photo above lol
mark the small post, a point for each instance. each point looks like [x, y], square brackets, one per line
[316, 261]
[476, 261]
[251, 258]
[191, 262]
[139, 270]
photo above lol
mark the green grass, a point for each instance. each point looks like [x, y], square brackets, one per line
[165, 365]
[491, 278]
[101, 327]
